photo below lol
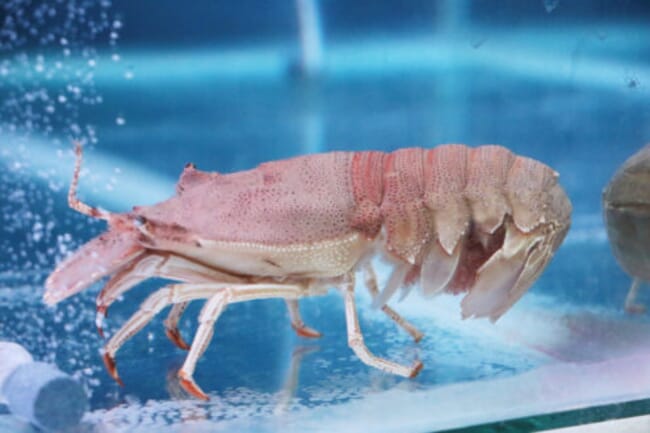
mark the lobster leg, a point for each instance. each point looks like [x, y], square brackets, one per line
[171, 325]
[160, 265]
[371, 285]
[136, 272]
[296, 321]
[182, 269]
[355, 339]
[181, 293]
[209, 314]
[122, 281]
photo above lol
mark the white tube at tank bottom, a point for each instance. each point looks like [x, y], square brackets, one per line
[38, 392]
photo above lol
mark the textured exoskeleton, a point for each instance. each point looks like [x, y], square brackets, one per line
[480, 221]
[626, 208]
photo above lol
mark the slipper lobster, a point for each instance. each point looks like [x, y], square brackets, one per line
[478, 221]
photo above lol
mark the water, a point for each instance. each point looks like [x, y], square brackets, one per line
[574, 96]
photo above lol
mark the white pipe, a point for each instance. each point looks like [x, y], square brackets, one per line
[311, 40]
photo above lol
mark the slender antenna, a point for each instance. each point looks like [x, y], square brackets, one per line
[73, 201]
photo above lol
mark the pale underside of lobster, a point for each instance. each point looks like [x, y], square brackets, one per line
[479, 221]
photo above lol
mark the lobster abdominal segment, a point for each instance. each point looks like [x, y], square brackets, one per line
[444, 211]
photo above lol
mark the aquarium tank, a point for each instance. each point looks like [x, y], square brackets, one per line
[147, 91]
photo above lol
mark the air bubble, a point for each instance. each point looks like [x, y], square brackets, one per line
[50, 53]
[75, 90]
[119, 120]
[550, 5]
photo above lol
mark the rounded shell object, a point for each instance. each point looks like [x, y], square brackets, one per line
[626, 209]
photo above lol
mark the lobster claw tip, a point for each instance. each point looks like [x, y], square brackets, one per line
[109, 362]
[175, 337]
[191, 387]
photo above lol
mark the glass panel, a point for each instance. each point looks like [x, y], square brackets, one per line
[150, 87]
